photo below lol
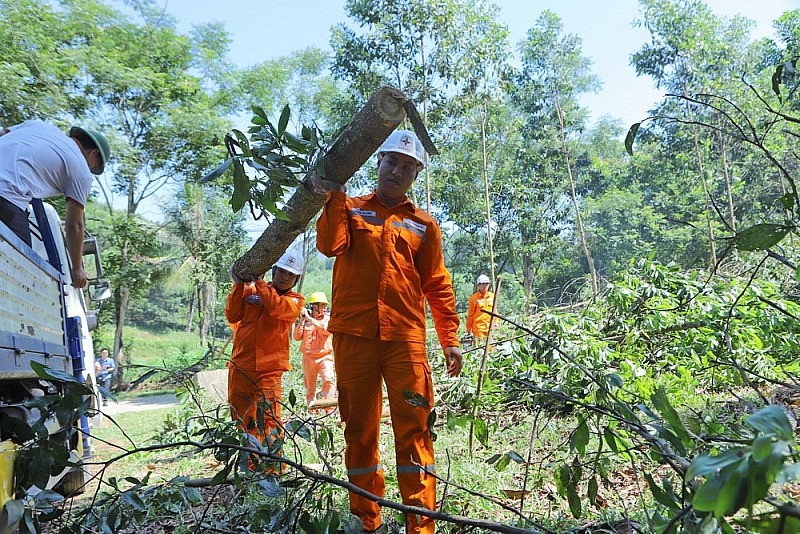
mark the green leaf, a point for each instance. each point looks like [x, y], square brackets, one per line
[608, 435]
[787, 201]
[777, 76]
[762, 447]
[706, 464]
[580, 437]
[52, 374]
[241, 187]
[772, 421]
[216, 173]
[574, 500]
[13, 512]
[705, 500]
[631, 136]
[284, 120]
[299, 428]
[502, 462]
[731, 496]
[670, 415]
[220, 476]
[415, 399]
[760, 236]
[591, 491]
[661, 496]
[482, 432]
[134, 501]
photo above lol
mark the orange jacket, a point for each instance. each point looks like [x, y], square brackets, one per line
[387, 259]
[261, 320]
[316, 341]
[477, 321]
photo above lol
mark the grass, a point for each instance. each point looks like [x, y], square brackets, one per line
[124, 432]
[475, 488]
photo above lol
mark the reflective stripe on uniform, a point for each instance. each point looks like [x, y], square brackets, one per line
[364, 470]
[430, 468]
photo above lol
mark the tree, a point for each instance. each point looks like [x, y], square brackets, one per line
[213, 237]
[546, 90]
[692, 52]
[38, 63]
[430, 50]
[137, 76]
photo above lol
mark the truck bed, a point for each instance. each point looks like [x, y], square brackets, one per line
[31, 310]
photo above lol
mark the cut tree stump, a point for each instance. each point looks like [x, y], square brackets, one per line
[379, 117]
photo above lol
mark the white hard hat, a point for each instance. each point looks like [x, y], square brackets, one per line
[404, 142]
[291, 261]
[483, 279]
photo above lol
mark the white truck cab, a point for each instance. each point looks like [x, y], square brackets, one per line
[43, 319]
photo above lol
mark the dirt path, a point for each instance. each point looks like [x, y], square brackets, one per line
[140, 404]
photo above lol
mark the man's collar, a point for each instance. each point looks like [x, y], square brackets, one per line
[406, 202]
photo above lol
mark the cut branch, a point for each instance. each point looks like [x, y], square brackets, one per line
[360, 139]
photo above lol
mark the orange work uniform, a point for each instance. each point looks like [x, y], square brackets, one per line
[477, 321]
[317, 349]
[387, 260]
[261, 320]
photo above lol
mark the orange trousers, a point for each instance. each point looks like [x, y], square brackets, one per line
[250, 390]
[361, 367]
[314, 366]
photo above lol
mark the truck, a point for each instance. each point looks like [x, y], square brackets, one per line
[45, 324]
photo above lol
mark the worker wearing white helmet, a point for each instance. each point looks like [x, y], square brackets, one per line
[478, 321]
[261, 315]
[317, 349]
[388, 259]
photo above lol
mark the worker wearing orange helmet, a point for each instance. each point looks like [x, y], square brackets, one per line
[261, 315]
[388, 257]
[317, 348]
[478, 320]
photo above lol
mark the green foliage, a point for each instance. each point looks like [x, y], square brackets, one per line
[278, 158]
[741, 476]
[46, 446]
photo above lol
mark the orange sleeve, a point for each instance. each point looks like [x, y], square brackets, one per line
[297, 331]
[437, 287]
[234, 306]
[284, 307]
[471, 311]
[333, 236]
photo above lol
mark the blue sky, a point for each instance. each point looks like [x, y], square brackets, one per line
[264, 29]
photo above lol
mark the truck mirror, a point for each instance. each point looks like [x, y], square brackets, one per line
[100, 290]
[91, 264]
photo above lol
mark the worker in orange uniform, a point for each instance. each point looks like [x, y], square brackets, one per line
[317, 349]
[261, 315]
[477, 321]
[388, 257]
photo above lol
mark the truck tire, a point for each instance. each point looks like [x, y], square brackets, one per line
[73, 483]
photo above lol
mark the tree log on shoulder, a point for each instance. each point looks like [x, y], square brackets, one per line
[369, 128]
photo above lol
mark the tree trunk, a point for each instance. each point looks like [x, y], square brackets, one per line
[594, 278]
[123, 299]
[369, 128]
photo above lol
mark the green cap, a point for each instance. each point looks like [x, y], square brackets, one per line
[100, 142]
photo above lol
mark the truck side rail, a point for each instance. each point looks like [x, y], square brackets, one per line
[31, 310]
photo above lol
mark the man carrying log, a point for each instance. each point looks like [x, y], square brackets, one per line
[388, 257]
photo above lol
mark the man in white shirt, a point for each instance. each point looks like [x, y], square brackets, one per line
[38, 161]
